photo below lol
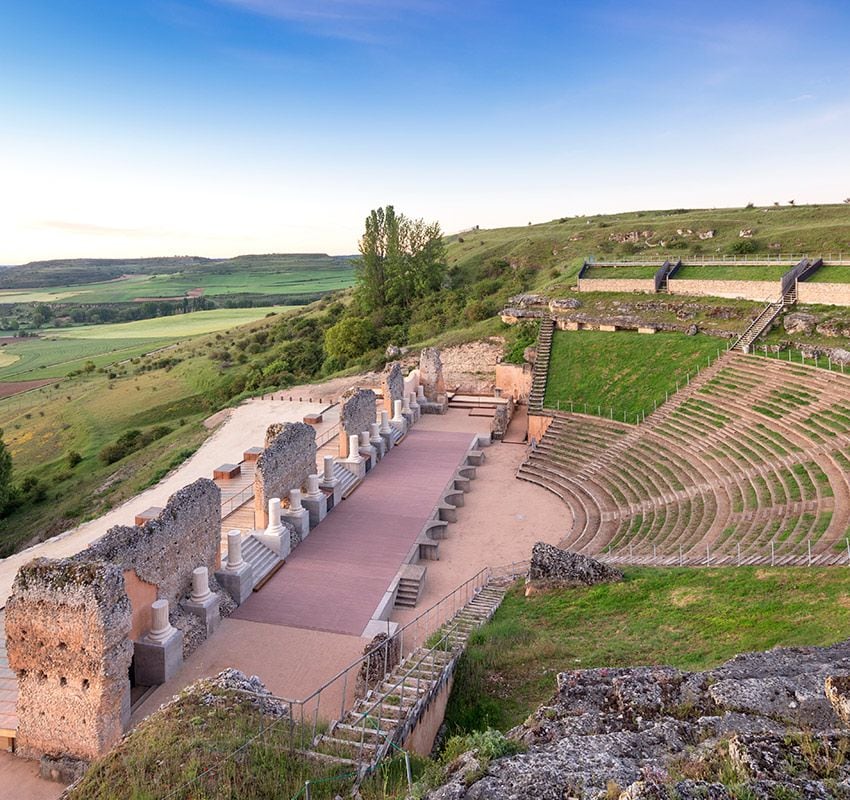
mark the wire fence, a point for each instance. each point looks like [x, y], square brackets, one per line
[817, 361]
[776, 554]
[698, 259]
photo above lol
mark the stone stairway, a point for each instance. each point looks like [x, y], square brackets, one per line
[377, 721]
[764, 320]
[348, 481]
[541, 365]
[410, 586]
[263, 560]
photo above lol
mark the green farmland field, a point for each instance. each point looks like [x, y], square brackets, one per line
[63, 350]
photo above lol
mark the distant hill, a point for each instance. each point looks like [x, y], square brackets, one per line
[73, 272]
[563, 243]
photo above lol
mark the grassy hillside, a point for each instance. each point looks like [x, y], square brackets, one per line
[124, 280]
[59, 351]
[687, 618]
[556, 249]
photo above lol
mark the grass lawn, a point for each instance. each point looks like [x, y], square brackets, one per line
[688, 618]
[713, 272]
[626, 271]
[623, 370]
[827, 274]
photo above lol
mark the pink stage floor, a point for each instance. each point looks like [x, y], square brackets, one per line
[334, 580]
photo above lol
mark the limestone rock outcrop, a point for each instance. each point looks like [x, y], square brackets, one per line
[563, 568]
[633, 733]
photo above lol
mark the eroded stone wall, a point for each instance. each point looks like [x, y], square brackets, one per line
[356, 415]
[288, 458]
[166, 549]
[392, 385]
[67, 626]
[431, 374]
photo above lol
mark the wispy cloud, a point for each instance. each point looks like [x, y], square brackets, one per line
[355, 20]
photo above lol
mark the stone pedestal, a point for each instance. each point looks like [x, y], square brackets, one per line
[398, 421]
[330, 482]
[386, 431]
[376, 440]
[237, 575]
[275, 536]
[202, 602]
[354, 463]
[414, 407]
[158, 656]
[407, 412]
[296, 515]
[315, 501]
[366, 450]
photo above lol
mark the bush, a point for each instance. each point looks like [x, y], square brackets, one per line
[131, 441]
[744, 247]
[73, 458]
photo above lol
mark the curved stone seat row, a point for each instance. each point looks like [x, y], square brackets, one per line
[712, 470]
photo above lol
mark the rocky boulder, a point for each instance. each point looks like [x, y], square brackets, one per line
[762, 720]
[563, 568]
[799, 322]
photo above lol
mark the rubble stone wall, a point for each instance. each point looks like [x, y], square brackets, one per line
[392, 385]
[356, 415]
[164, 551]
[431, 374]
[288, 458]
[67, 626]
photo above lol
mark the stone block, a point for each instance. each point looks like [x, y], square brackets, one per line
[312, 419]
[148, 514]
[206, 610]
[252, 453]
[317, 507]
[227, 471]
[238, 583]
[157, 662]
[298, 519]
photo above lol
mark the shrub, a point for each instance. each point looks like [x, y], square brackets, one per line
[73, 458]
[744, 247]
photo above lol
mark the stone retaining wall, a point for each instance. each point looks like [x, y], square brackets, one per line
[832, 294]
[67, 626]
[760, 291]
[288, 458]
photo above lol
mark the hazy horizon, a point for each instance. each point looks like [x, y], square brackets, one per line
[226, 127]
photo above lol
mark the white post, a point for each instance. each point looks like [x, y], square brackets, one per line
[772, 554]
[313, 490]
[329, 469]
[234, 550]
[275, 528]
[160, 625]
[809, 548]
[739, 554]
[295, 500]
[364, 439]
[385, 422]
[397, 417]
[200, 584]
[353, 447]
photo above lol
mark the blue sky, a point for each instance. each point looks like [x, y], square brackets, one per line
[219, 127]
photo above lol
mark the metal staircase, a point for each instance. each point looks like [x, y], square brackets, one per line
[541, 365]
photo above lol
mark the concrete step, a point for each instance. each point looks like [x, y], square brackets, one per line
[263, 560]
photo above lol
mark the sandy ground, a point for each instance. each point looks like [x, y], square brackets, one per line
[245, 427]
[292, 662]
[500, 521]
[19, 780]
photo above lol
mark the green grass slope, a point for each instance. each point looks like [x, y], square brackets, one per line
[609, 373]
[688, 618]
